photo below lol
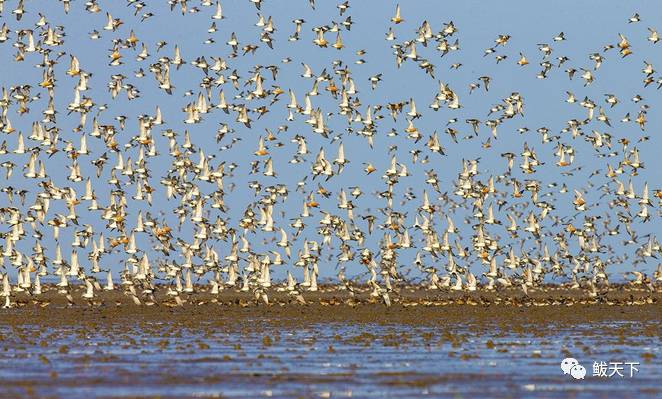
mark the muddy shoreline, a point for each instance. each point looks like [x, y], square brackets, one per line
[409, 306]
[231, 345]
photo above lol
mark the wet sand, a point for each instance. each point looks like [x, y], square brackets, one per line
[437, 344]
[410, 306]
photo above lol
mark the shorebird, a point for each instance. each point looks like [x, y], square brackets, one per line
[168, 169]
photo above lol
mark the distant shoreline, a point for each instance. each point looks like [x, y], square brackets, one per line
[411, 305]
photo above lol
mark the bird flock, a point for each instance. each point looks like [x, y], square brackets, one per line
[256, 153]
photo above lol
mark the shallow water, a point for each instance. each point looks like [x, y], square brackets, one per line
[336, 360]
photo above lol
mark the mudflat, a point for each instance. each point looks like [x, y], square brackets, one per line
[331, 344]
[410, 305]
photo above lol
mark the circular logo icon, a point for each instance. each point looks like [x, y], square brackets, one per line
[567, 364]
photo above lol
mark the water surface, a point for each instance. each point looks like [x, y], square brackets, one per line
[323, 360]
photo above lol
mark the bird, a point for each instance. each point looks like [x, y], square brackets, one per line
[340, 155]
[397, 19]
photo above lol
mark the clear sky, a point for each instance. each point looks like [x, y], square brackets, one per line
[588, 27]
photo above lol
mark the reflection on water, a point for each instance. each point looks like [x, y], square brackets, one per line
[330, 360]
